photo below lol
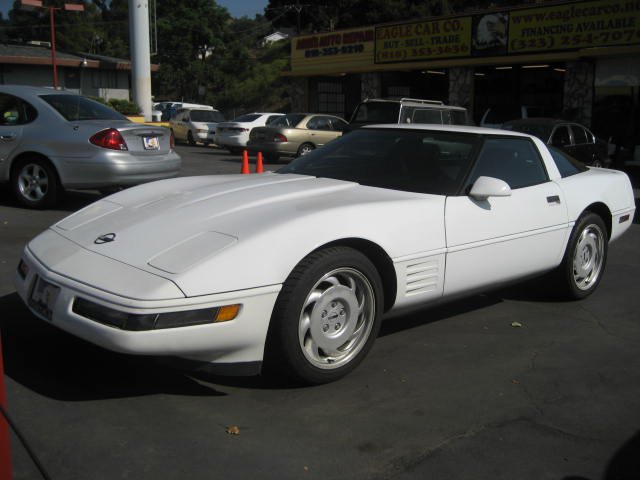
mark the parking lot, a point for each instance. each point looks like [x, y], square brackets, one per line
[512, 384]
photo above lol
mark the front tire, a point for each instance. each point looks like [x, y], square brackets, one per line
[190, 139]
[585, 258]
[35, 183]
[326, 317]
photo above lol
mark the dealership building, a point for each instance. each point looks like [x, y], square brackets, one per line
[579, 60]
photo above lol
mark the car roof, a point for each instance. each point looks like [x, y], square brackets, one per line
[30, 90]
[415, 102]
[538, 121]
[450, 128]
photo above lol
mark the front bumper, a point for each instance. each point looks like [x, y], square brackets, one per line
[238, 341]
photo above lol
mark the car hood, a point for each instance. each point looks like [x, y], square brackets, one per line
[248, 224]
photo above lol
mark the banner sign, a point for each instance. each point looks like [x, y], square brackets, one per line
[574, 26]
[559, 27]
[433, 39]
[345, 49]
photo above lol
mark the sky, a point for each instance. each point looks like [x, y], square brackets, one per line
[237, 8]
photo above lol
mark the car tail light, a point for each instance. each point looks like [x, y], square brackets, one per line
[172, 140]
[109, 138]
[278, 137]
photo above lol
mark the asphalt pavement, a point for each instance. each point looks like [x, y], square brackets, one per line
[512, 384]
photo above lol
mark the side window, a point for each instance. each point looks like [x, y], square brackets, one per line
[579, 135]
[560, 137]
[458, 117]
[338, 124]
[272, 118]
[15, 111]
[514, 160]
[319, 123]
[406, 114]
[425, 115]
[566, 164]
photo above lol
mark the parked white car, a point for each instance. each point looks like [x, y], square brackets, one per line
[378, 222]
[193, 125]
[234, 135]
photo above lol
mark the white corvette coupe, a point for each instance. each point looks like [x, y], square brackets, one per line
[295, 269]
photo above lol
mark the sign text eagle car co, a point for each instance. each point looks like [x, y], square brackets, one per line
[335, 43]
[421, 40]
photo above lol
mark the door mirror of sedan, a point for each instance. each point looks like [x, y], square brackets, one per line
[485, 187]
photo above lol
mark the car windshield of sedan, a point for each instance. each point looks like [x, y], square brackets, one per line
[206, 116]
[423, 161]
[540, 130]
[289, 121]
[75, 107]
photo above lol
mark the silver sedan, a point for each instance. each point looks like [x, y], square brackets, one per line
[52, 140]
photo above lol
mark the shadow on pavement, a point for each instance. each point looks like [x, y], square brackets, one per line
[60, 366]
[70, 201]
[624, 465]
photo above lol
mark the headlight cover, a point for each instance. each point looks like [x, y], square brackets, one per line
[153, 321]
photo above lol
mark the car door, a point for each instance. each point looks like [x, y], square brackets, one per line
[14, 114]
[503, 238]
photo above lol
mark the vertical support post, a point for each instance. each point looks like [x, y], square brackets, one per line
[52, 24]
[140, 55]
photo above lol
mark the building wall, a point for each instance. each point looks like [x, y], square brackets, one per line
[105, 84]
[578, 92]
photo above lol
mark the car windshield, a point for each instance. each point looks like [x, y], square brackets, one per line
[376, 112]
[248, 117]
[422, 161]
[206, 116]
[291, 120]
[76, 107]
[539, 130]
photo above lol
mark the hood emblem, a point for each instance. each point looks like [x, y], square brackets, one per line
[106, 238]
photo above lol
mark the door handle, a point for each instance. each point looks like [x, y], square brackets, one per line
[553, 199]
[8, 137]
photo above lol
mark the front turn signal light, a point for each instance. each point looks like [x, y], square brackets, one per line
[228, 312]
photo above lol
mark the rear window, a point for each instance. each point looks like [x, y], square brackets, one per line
[249, 117]
[76, 107]
[206, 116]
[502, 114]
[376, 112]
[291, 120]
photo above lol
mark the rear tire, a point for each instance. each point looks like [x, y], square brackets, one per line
[305, 148]
[35, 183]
[326, 317]
[585, 258]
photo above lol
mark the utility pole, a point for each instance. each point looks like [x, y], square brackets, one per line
[140, 55]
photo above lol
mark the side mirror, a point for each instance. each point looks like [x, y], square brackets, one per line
[485, 187]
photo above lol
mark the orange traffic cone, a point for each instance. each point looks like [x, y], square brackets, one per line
[245, 162]
[259, 167]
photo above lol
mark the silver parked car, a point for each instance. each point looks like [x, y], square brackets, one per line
[51, 140]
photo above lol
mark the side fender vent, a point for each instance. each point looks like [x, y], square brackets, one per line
[422, 276]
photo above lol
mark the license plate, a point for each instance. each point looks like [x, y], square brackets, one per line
[151, 143]
[43, 297]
